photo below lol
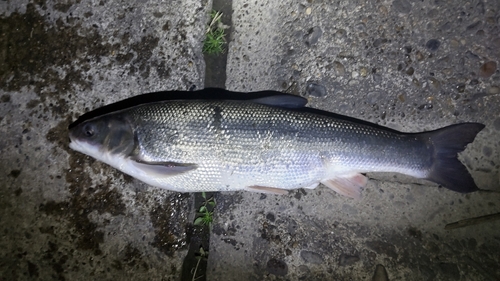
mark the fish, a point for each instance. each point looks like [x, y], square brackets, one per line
[270, 144]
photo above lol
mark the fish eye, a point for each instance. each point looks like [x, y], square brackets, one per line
[88, 130]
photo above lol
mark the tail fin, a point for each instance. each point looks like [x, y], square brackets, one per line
[446, 169]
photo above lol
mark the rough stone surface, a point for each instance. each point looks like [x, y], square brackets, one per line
[66, 216]
[409, 65]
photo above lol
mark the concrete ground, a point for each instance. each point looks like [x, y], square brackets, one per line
[407, 65]
[65, 216]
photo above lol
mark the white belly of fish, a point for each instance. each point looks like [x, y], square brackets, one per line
[217, 176]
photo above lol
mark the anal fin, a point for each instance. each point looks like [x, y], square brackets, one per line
[349, 186]
[266, 189]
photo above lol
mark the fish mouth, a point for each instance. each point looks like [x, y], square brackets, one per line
[88, 149]
[79, 145]
[73, 142]
[75, 145]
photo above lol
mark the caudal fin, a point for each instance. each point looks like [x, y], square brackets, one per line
[446, 169]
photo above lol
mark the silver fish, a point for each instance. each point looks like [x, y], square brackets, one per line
[270, 144]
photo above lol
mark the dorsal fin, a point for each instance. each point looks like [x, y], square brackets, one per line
[287, 101]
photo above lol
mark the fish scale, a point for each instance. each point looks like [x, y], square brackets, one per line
[220, 145]
[235, 146]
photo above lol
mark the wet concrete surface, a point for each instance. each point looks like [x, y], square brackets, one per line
[66, 216]
[408, 65]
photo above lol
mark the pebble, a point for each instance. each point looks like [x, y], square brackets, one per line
[448, 71]
[487, 69]
[363, 71]
[339, 68]
[316, 90]
[454, 43]
[360, 26]
[382, 10]
[313, 35]
[340, 33]
[471, 55]
[401, 97]
[434, 83]
[494, 90]
[474, 26]
[379, 41]
[402, 6]
[308, 11]
[432, 45]
[416, 82]
[371, 98]
[444, 60]
[277, 267]
[345, 260]
[311, 257]
[420, 56]
[377, 78]
[461, 88]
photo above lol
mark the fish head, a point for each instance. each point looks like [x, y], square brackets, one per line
[103, 137]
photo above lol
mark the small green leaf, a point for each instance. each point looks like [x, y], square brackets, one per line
[199, 221]
[203, 209]
[207, 219]
[211, 204]
[204, 195]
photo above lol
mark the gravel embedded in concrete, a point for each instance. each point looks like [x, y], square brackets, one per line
[408, 65]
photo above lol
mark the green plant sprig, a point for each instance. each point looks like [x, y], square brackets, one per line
[215, 35]
[205, 212]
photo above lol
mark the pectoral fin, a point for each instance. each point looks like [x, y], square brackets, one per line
[349, 186]
[162, 169]
[268, 190]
